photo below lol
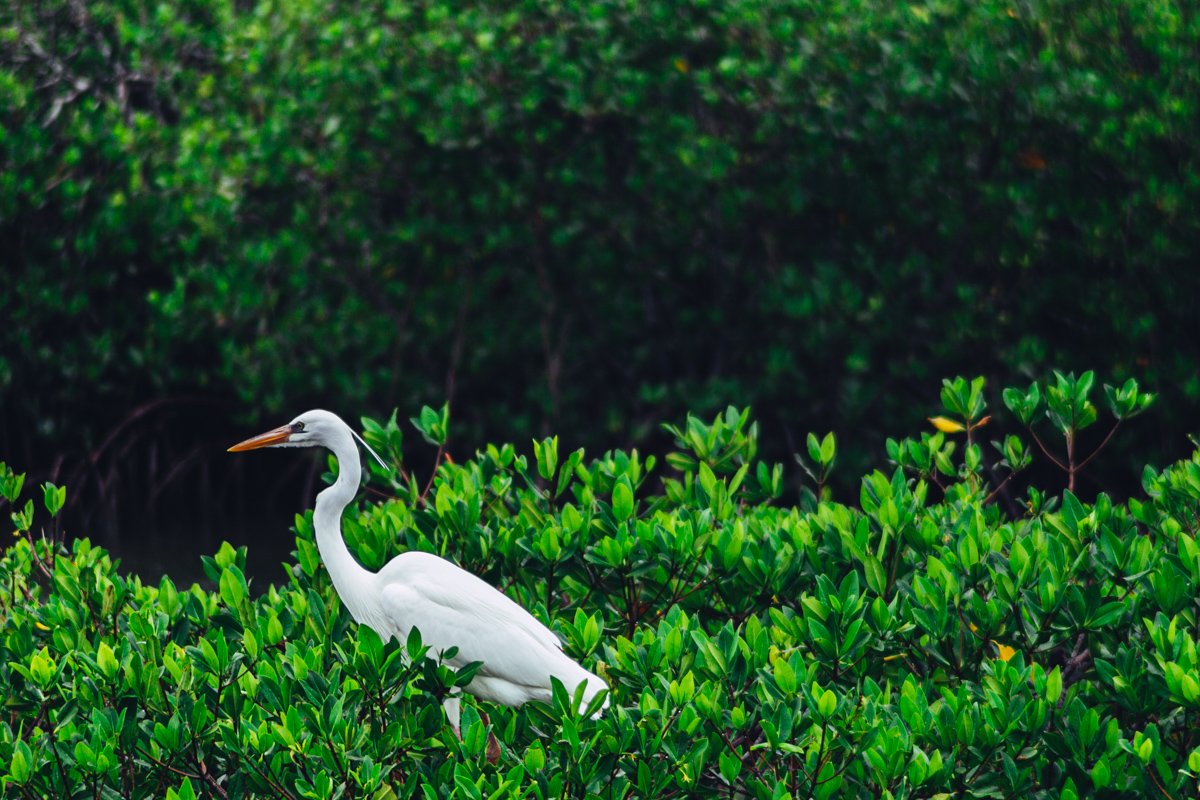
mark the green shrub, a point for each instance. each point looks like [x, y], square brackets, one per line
[922, 643]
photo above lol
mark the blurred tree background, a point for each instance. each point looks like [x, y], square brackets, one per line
[584, 218]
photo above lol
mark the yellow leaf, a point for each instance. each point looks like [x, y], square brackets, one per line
[681, 65]
[1006, 652]
[947, 425]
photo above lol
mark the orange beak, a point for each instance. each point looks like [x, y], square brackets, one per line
[275, 436]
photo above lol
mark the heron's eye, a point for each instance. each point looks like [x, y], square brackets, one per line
[298, 427]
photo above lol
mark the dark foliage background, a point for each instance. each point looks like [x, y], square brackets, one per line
[584, 218]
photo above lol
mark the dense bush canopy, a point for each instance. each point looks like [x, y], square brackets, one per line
[526, 204]
[920, 642]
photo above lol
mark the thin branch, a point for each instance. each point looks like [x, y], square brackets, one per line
[996, 492]
[1072, 470]
[1161, 788]
[437, 462]
[164, 765]
[212, 781]
[1046, 451]
[37, 559]
[1100, 447]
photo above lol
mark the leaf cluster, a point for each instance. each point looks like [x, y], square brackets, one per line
[918, 643]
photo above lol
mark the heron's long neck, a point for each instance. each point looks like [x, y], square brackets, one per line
[350, 578]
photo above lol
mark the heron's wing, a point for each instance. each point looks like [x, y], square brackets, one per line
[453, 608]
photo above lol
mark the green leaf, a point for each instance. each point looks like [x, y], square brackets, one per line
[683, 690]
[622, 500]
[1054, 686]
[1145, 750]
[875, 575]
[730, 766]
[21, 767]
[184, 792]
[828, 450]
[433, 425]
[814, 448]
[106, 660]
[1106, 614]
[546, 453]
[1072, 511]
[54, 497]
[827, 704]
[233, 587]
[785, 676]
[10, 484]
[23, 519]
[42, 668]
[535, 758]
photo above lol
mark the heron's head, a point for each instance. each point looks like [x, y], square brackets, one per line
[314, 428]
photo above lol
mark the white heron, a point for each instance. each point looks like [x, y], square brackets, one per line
[449, 606]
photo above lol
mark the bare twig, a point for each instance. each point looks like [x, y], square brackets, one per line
[996, 492]
[437, 462]
[1099, 447]
[1046, 451]
[211, 780]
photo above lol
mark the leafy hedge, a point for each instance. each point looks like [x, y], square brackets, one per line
[391, 203]
[921, 643]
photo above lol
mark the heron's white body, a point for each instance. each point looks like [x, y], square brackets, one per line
[449, 606]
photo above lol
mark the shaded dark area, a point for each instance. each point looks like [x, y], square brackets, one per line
[574, 220]
[160, 491]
